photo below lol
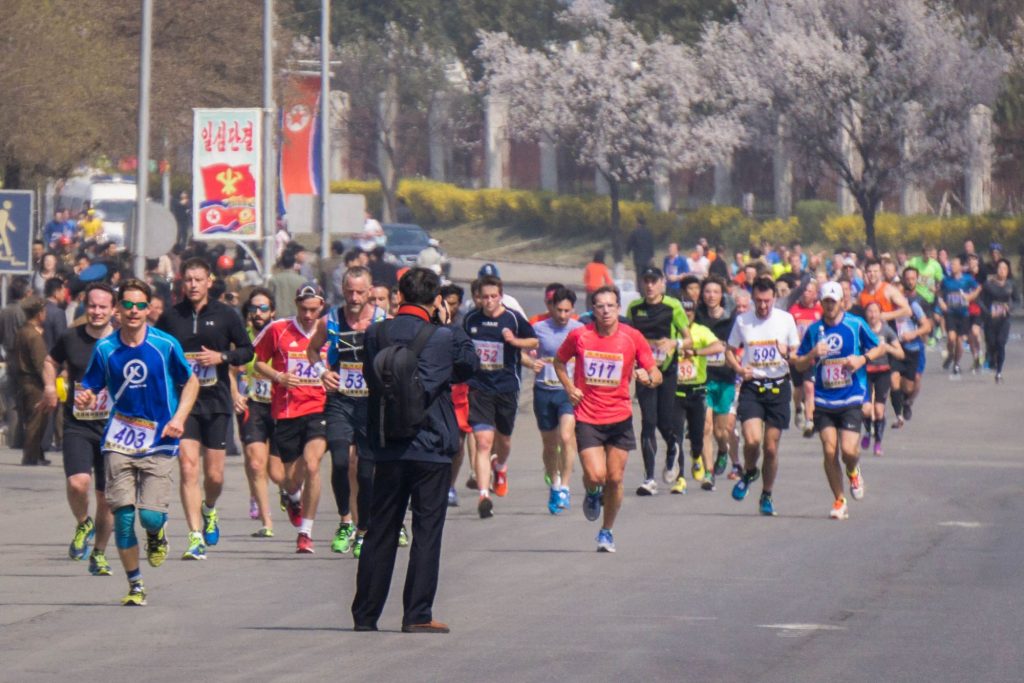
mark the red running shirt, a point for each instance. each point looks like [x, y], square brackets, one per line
[604, 368]
[805, 317]
[283, 344]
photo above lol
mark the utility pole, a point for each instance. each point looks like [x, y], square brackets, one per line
[269, 135]
[142, 174]
[325, 127]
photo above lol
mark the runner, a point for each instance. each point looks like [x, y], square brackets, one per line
[606, 355]
[973, 268]
[767, 336]
[152, 389]
[957, 292]
[342, 330]
[498, 335]
[913, 332]
[297, 405]
[805, 312]
[551, 405]
[998, 295]
[207, 330]
[83, 429]
[930, 276]
[721, 384]
[452, 295]
[879, 377]
[662, 322]
[250, 392]
[837, 348]
[690, 406]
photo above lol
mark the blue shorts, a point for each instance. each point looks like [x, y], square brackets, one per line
[549, 405]
[920, 362]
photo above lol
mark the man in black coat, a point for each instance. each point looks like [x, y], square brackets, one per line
[641, 245]
[416, 470]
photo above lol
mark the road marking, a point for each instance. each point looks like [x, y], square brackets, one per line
[802, 628]
[962, 525]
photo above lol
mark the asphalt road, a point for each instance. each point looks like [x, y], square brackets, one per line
[922, 583]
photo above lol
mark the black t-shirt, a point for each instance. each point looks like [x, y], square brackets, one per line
[217, 327]
[718, 370]
[74, 349]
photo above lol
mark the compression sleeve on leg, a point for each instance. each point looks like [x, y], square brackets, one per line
[152, 521]
[124, 527]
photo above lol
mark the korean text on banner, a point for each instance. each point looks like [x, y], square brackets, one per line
[226, 174]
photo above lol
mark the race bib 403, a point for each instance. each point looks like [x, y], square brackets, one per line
[129, 435]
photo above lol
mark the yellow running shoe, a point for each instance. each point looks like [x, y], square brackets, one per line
[679, 486]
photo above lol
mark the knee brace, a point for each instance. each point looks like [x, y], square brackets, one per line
[124, 527]
[152, 521]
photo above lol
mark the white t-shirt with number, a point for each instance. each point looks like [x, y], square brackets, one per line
[760, 339]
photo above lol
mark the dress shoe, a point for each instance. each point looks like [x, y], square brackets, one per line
[429, 627]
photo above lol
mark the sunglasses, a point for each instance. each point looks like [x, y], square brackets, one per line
[262, 308]
[139, 305]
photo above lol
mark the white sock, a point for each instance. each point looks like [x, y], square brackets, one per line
[306, 527]
[556, 481]
[484, 493]
[295, 497]
[207, 510]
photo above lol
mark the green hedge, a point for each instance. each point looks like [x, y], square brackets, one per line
[815, 222]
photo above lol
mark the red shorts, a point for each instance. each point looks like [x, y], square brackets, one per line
[460, 400]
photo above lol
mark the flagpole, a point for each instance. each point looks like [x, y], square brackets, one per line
[142, 172]
[269, 128]
[325, 127]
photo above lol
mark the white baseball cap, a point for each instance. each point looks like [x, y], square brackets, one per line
[831, 290]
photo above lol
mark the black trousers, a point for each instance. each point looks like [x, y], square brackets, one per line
[690, 414]
[997, 333]
[657, 414]
[423, 486]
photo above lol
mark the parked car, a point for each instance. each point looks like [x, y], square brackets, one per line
[407, 240]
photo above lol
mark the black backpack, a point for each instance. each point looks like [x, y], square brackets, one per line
[398, 391]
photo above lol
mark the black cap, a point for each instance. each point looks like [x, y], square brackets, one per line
[651, 273]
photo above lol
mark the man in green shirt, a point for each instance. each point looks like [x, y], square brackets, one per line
[930, 275]
[662, 322]
[692, 377]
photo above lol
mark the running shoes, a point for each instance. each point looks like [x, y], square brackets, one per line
[85, 534]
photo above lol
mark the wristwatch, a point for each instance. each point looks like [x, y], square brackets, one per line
[223, 357]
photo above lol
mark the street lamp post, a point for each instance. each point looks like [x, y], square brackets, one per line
[142, 172]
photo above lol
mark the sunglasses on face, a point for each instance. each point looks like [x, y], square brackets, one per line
[139, 305]
[262, 308]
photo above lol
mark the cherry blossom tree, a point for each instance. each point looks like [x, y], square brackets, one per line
[851, 78]
[627, 106]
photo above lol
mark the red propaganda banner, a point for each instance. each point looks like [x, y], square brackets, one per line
[300, 137]
[226, 174]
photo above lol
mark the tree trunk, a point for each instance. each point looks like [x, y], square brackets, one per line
[12, 175]
[387, 146]
[616, 219]
[868, 209]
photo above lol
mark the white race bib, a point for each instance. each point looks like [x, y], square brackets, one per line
[835, 374]
[100, 411]
[716, 360]
[491, 355]
[1000, 310]
[299, 365]
[764, 354]
[129, 435]
[207, 375]
[657, 352]
[260, 390]
[549, 378]
[687, 370]
[351, 381]
[602, 369]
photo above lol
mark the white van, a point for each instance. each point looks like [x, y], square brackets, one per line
[113, 197]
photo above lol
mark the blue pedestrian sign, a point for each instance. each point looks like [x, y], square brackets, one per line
[16, 230]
